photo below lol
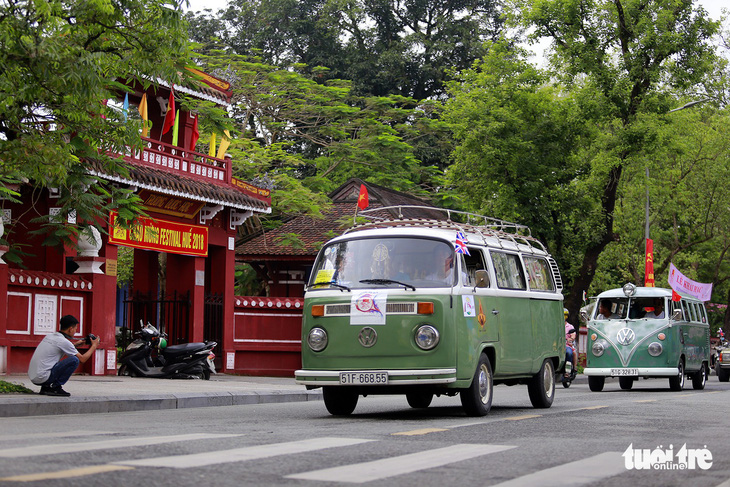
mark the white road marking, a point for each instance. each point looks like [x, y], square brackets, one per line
[580, 472]
[243, 454]
[54, 449]
[65, 474]
[58, 434]
[388, 467]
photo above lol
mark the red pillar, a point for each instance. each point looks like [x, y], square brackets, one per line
[187, 273]
[222, 281]
[145, 278]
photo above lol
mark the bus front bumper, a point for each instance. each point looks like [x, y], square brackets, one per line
[631, 371]
[395, 377]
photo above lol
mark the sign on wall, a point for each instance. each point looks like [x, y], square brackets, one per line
[170, 205]
[161, 235]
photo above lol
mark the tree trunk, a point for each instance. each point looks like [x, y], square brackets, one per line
[587, 272]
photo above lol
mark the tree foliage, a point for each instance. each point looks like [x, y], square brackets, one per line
[61, 60]
[310, 137]
[629, 53]
[384, 47]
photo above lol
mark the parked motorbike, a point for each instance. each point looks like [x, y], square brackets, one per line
[148, 356]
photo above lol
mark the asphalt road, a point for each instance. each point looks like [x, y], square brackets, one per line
[586, 438]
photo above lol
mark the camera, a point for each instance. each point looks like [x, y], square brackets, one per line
[90, 337]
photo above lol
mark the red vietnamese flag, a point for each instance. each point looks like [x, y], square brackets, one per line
[170, 115]
[676, 297]
[196, 134]
[649, 265]
[362, 200]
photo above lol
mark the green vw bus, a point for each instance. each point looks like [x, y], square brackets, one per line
[431, 307]
[638, 332]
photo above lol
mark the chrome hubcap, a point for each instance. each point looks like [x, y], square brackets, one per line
[483, 384]
[548, 378]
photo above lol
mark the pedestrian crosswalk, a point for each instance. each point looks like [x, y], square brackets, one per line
[583, 471]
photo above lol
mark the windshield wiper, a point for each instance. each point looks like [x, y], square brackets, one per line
[388, 281]
[331, 283]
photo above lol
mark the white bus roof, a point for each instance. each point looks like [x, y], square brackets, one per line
[480, 230]
[642, 292]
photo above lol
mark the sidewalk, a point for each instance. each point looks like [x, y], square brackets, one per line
[106, 394]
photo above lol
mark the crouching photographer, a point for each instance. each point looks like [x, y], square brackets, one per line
[48, 368]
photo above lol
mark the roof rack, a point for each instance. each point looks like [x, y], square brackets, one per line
[482, 225]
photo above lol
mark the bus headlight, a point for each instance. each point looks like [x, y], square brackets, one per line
[317, 339]
[598, 348]
[427, 337]
[655, 349]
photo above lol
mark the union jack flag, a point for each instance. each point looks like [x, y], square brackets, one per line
[460, 244]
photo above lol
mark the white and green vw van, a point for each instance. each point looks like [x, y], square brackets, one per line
[431, 307]
[638, 332]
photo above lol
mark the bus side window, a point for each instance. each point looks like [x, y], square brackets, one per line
[698, 313]
[703, 313]
[508, 269]
[686, 316]
[538, 274]
[474, 262]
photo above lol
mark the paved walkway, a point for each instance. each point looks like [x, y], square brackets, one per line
[104, 394]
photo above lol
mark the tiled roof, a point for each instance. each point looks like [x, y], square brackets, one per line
[314, 233]
[146, 177]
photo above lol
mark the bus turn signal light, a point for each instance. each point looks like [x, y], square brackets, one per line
[425, 308]
[318, 310]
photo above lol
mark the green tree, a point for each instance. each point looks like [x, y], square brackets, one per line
[384, 47]
[631, 52]
[310, 137]
[61, 60]
[519, 153]
[687, 157]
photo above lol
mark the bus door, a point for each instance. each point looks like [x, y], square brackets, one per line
[548, 323]
[478, 297]
[512, 311]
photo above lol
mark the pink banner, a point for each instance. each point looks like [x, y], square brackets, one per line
[681, 284]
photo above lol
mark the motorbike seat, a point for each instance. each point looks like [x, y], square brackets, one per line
[183, 348]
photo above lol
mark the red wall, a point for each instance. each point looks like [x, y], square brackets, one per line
[267, 335]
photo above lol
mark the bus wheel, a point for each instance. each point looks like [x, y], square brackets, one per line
[699, 378]
[595, 383]
[677, 383]
[626, 383]
[541, 387]
[419, 400]
[477, 399]
[722, 374]
[339, 401]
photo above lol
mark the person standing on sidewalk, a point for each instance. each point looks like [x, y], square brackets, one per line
[47, 369]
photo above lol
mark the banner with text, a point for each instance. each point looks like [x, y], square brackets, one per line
[681, 284]
[649, 265]
[160, 235]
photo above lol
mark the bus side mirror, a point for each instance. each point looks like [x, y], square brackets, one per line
[584, 316]
[482, 278]
[677, 315]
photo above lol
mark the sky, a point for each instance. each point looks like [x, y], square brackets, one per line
[713, 7]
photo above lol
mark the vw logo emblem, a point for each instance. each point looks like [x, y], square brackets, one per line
[625, 336]
[367, 337]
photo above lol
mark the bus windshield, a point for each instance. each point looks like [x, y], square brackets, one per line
[633, 308]
[384, 262]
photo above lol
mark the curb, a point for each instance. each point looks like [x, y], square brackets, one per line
[35, 405]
